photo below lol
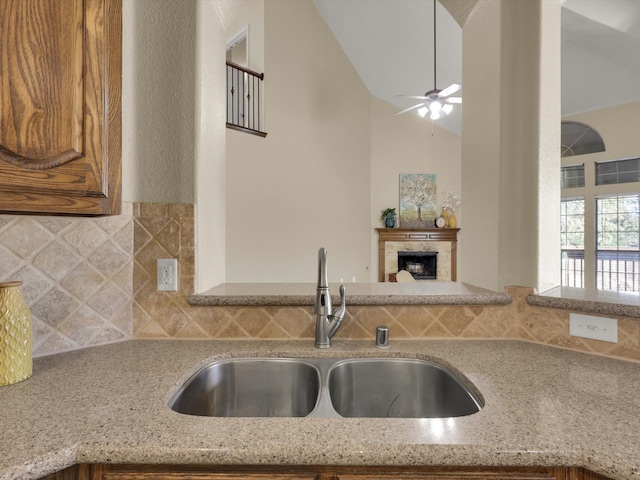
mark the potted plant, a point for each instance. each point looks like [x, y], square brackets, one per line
[388, 217]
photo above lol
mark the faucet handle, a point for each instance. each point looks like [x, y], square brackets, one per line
[338, 315]
[343, 298]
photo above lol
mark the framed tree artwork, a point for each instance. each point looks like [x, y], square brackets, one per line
[418, 200]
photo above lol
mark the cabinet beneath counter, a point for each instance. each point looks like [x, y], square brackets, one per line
[315, 472]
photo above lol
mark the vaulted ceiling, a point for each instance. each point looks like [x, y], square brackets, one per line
[390, 44]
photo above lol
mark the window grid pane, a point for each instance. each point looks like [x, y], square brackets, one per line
[573, 176]
[572, 242]
[619, 171]
[618, 243]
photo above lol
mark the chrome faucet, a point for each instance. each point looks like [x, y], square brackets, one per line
[327, 321]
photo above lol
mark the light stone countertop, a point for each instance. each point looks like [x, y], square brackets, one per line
[590, 300]
[382, 293]
[543, 406]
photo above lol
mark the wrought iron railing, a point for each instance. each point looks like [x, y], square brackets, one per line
[245, 110]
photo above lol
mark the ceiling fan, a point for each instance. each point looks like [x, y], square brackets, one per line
[438, 102]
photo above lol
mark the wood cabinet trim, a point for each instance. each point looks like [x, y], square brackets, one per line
[61, 138]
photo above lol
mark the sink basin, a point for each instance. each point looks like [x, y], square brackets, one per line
[394, 387]
[324, 387]
[270, 387]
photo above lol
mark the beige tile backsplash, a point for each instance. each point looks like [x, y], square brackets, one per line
[77, 277]
[90, 281]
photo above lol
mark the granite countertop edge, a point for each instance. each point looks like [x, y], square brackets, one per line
[110, 405]
[418, 293]
[601, 302]
[355, 300]
[362, 294]
[586, 306]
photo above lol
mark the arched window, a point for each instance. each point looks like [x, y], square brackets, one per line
[579, 138]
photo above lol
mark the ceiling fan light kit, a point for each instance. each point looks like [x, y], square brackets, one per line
[438, 102]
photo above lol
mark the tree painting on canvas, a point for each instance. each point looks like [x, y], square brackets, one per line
[417, 200]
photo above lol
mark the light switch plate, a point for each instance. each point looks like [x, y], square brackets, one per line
[595, 328]
[167, 275]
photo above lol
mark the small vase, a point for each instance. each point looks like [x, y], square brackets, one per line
[452, 220]
[16, 363]
[445, 215]
[390, 221]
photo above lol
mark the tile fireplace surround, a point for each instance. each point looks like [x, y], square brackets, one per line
[441, 240]
[90, 281]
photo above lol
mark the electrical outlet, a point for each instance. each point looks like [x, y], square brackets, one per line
[167, 275]
[595, 328]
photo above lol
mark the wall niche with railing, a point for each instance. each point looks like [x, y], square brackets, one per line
[245, 110]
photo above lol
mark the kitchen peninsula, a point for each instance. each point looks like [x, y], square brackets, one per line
[382, 293]
[544, 406]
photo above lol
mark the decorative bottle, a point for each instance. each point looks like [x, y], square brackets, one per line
[16, 362]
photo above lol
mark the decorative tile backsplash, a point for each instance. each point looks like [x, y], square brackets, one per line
[163, 231]
[76, 277]
[90, 281]
[167, 315]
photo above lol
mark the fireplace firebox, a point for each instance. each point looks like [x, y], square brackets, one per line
[421, 265]
[442, 240]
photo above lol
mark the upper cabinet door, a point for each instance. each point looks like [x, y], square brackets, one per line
[60, 106]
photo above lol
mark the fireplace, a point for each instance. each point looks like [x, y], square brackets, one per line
[421, 265]
[394, 240]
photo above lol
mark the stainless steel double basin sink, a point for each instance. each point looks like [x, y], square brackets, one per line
[325, 387]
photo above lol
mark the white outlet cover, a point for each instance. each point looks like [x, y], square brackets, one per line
[595, 328]
[167, 273]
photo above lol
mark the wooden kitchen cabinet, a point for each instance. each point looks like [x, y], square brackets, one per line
[60, 106]
[201, 472]
[314, 472]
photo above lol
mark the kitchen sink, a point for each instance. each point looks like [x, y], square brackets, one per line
[325, 387]
[252, 387]
[398, 387]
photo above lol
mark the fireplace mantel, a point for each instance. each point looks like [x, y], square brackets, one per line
[416, 235]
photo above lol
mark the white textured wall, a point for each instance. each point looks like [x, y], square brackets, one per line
[479, 243]
[174, 114]
[158, 82]
[215, 17]
[510, 164]
[548, 193]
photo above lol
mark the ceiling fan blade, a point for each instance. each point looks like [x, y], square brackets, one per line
[453, 100]
[419, 97]
[453, 88]
[418, 105]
